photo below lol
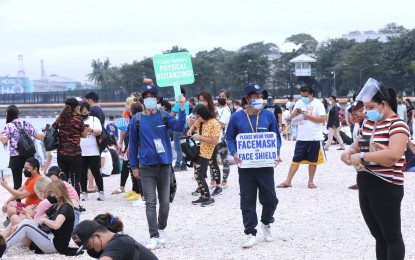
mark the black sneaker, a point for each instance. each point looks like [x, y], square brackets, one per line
[81, 209]
[217, 191]
[183, 168]
[196, 192]
[199, 201]
[176, 168]
[208, 202]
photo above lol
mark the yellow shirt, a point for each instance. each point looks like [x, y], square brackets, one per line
[210, 128]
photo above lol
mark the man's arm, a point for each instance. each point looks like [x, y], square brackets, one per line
[133, 144]
[21, 193]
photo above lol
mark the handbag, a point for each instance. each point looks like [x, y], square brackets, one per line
[190, 148]
[51, 139]
[103, 139]
[25, 145]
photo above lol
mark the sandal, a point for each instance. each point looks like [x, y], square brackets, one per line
[283, 186]
[118, 191]
[312, 186]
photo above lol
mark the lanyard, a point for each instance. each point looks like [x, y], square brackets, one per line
[151, 123]
[249, 120]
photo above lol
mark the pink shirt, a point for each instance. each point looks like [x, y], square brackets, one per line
[41, 208]
[72, 192]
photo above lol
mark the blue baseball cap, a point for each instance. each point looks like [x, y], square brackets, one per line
[252, 88]
[152, 89]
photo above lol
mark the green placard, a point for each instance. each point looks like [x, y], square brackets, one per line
[173, 69]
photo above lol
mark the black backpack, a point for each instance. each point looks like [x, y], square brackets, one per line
[25, 145]
[51, 140]
[190, 149]
[103, 140]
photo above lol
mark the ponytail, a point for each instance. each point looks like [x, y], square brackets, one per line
[392, 99]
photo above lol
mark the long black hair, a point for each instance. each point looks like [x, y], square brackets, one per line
[388, 95]
[203, 111]
[12, 113]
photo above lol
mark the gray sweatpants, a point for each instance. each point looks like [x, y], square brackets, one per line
[28, 228]
[156, 178]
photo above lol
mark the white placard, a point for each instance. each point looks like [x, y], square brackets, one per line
[257, 149]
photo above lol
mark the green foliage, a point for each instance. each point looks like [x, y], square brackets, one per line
[308, 43]
[263, 63]
[393, 28]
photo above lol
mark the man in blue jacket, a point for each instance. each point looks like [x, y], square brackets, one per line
[150, 145]
[253, 181]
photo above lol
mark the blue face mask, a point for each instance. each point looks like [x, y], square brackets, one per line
[305, 99]
[196, 103]
[150, 103]
[373, 115]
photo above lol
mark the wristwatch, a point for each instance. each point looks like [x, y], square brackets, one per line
[362, 157]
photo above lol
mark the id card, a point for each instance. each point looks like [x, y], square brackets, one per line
[159, 146]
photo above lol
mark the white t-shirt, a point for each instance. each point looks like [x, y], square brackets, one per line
[107, 168]
[401, 111]
[285, 114]
[224, 115]
[89, 144]
[308, 130]
[54, 159]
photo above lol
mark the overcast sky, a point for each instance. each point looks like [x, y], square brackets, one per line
[67, 35]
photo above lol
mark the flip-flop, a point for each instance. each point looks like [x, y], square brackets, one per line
[117, 191]
[312, 186]
[283, 186]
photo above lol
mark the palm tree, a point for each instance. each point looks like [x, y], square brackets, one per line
[100, 72]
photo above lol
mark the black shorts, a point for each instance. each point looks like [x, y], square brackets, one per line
[309, 152]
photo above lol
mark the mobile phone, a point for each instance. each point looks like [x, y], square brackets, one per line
[299, 110]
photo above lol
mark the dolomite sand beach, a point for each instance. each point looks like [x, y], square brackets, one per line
[324, 223]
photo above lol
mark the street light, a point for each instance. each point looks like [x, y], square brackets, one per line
[360, 70]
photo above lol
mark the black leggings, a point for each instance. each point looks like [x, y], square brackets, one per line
[380, 203]
[93, 163]
[214, 167]
[16, 164]
[72, 167]
[200, 176]
[124, 176]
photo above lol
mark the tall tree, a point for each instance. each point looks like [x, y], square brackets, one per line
[393, 28]
[308, 43]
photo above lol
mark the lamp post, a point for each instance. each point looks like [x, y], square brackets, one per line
[361, 70]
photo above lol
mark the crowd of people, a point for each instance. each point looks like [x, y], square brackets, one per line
[141, 144]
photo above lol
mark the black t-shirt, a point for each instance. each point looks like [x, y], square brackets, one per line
[123, 247]
[409, 112]
[276, 109]
[63, 234]
[97, 112]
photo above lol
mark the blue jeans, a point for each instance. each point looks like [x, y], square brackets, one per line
[156, 177]
[77, 215]
[176, 139]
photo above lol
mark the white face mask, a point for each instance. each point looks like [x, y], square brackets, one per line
[257, 103]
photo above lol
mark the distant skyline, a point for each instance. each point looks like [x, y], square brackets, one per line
[68, 35]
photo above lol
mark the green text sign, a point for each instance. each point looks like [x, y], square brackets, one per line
[173, 69]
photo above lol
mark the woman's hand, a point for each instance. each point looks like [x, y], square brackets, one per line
[196, 137]
[346, 157]
[189, 133]
[355, 160]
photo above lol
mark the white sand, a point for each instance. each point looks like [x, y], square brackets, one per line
[324, 223]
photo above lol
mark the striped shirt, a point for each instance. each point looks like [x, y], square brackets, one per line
[383, 131]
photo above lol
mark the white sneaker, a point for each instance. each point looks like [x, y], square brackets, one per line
[84, 196]
[101, 196]
[138, 203]
[266, 229]
[153, 244]
[162, 236]
[250, 242]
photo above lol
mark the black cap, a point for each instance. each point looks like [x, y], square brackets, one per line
[83, 231]
[72, 102]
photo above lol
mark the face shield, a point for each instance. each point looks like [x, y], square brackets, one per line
[369, 90]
